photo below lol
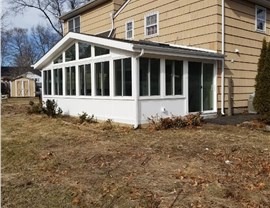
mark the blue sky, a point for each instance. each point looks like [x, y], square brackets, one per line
[30, 18]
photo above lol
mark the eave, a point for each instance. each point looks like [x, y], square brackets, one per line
[265, 3]
[75, 12]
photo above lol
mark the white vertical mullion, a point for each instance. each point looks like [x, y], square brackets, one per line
[173, 78]
[101, 80]
[162, 78]
[64, 80]
[111, 80]
[93, 79]
[122, 77]
[52, 82]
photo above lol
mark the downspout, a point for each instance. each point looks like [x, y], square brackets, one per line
[223, 53]
[112, 21]
[136, 125]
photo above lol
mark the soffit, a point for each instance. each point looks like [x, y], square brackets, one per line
[265, 3]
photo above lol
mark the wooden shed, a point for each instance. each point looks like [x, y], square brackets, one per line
[22, 87]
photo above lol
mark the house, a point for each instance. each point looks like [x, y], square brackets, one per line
[128, 60]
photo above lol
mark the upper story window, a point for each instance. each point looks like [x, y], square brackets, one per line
[260, 19]
[151, 24]
[74, 25]
[130, 29]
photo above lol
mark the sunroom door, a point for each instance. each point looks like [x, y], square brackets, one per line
[201, 87]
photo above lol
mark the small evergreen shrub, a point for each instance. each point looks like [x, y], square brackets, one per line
[175, 122]
[51, 109]
[262, 88]
[84, 117]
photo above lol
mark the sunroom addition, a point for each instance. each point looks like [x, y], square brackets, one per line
[128, 81]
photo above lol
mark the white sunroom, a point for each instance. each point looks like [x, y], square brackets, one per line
[128, 81]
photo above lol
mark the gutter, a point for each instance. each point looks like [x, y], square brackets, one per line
[223, 53]
[112, 21]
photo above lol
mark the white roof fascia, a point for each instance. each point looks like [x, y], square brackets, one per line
[193, 48]
[121, 8]
[71, 36]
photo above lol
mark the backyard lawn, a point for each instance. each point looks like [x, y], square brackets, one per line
[58, 162]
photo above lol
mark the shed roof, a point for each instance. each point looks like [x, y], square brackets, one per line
[127, 45]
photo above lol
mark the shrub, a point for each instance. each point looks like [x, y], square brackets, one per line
[262, 95]
[107, 125]
[35, 108]
[51, 109]
[84, 117]
[176, 122]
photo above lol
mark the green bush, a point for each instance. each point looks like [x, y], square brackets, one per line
[84, 117]
[262, 88]
[50, 108]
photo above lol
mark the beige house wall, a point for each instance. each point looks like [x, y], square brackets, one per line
[240, 34]
[185, 22]
[98, 19]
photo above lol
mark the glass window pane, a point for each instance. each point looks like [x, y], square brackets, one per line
[70, 53]
[88, 79]
[127, 85]
[154, 76]
[169, 77]
[98, 78]
[45, 82]
[59, 59]
[77, 24]
[178, 90]
[70, 25]
[67, 81]
[208, 90]
[101, 51]
[60, 73]
[106, 79]
[118, 77]
[82, 80]
[56, 79]
[73, 81]
[49, 82]
[144, 76]
[84, 50]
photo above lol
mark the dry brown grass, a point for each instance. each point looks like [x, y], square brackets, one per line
[61, 163]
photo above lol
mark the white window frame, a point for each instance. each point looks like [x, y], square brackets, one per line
[132, 30]
[74, 25]
[256, 19]
[146, 26]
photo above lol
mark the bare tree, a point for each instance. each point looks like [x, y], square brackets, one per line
[43, 39]
[50, 9]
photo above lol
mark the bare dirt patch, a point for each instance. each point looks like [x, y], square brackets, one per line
[61, 163]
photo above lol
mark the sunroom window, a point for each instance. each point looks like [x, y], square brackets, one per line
[58, 81]
[122, 80]
[70, 54]
[85, 79]
[102, 78]
[84, 50]
[260, 19]
[74, 25]
[174, 77]
[47, 82]
[70, 81]
[58, 60]
[101, 51]
[149, 77]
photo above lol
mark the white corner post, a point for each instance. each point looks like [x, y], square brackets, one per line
[135, 89]
[223, 61]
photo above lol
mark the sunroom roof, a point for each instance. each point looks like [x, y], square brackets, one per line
[127, 45]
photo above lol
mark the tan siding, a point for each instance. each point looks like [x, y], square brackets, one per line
[186, 22]
[240, 34]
